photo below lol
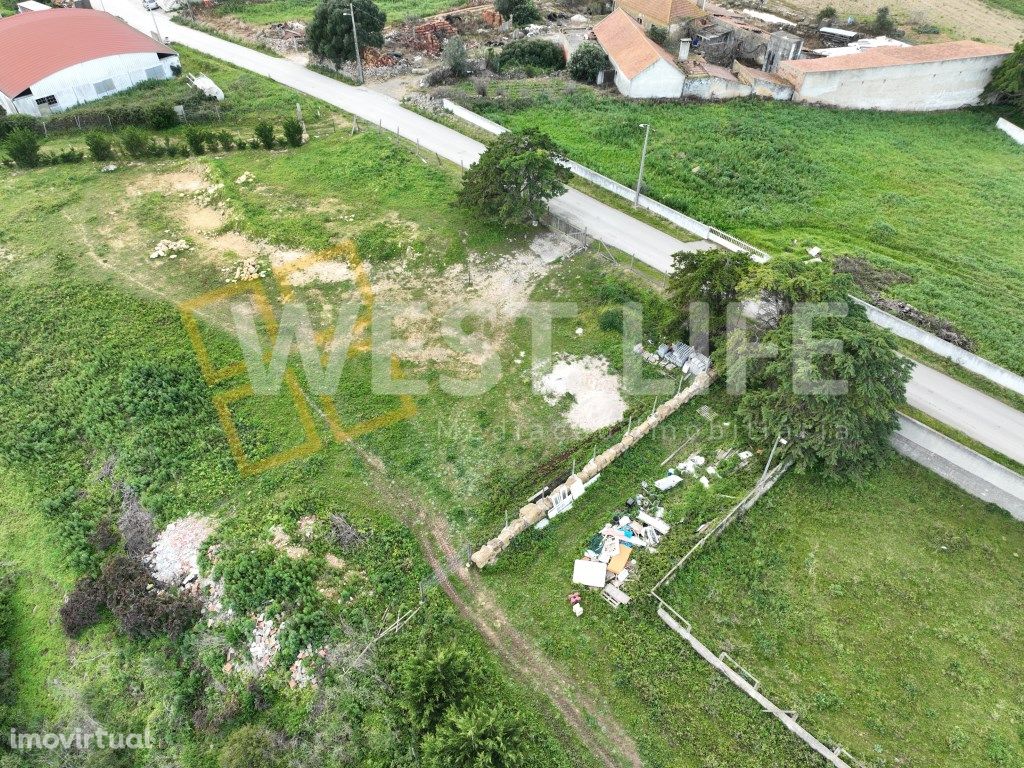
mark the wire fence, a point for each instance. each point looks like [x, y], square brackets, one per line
[111, 119]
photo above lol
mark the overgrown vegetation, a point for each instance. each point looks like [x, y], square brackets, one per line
[885, 188]
[330, 35]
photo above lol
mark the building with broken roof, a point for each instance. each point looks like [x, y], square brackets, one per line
[643, 69]
[914, 78]
[671, 15]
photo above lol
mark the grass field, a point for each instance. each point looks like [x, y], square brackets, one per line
[277, 11]
[886, 615]
[887, 187]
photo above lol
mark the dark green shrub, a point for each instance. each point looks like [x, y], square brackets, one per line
[265, 135]
[250, 746]
[587, 62]
[64, 157]
[136, 143]
[292, 132]
[10, 123]
[519, 12]
[532, 54]
[161, 116]
[828, 13]
[196, 140]
[22, 146]
[226, 140]
[100, 145]
[611, 320]
[658, 34]
[883, 23]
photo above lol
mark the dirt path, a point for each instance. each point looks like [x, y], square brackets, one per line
[609, 741]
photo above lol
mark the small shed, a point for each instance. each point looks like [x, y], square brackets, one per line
[643, 69]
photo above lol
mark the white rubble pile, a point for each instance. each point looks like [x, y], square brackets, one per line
[206, 195]
[170, 248]
[247, 269]
[245, 178]
[174, 559]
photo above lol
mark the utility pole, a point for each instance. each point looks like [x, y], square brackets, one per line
[156, 28]
[355, 39]
[643, 159]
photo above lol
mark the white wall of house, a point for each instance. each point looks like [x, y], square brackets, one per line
[7, 105]
[906, 88]
[715, 88]
[659, 81]
[94, 79]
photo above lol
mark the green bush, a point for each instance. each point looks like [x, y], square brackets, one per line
[658, 34]
[161, 116]
[587, 62]
[292, 132]
[226, 140]
[10, 123]
[265, 135]
[136, 143]
[611, 320]
[532, 54]
[196, 140]
[22, 146]
[519, 12]
[100, 145]
[250, 746]
[64, 157]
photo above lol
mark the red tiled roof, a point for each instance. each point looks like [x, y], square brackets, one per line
[36, 45]
[894, 56]
[662, 12]
[627, 45]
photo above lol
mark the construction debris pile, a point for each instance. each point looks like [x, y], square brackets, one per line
[677, 356]
[608, 559]
[169, 248]
[284, 37]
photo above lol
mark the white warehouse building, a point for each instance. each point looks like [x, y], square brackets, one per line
[643, 69]
[52, 60]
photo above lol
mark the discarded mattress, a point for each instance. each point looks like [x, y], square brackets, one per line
[589, 573]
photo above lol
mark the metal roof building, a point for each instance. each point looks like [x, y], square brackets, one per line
[52, 60]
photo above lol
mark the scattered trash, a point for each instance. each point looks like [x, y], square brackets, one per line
[589, 573]
[577, 603]
[669, 482]
[108, 168]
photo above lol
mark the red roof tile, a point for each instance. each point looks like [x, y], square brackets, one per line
[662, 12]
[627, 45]
[36, 45]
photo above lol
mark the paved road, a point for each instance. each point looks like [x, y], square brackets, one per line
[974, 413]
[981, 417]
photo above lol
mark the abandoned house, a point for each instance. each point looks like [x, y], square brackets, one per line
[52, 60]
[671, 15]
[643, 69]
[914, 78]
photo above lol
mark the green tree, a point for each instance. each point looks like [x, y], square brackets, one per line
[292, 129]
[435, 681]
[519, 12]
[514, 178]
[484, 736]
[828, 13]
[455, 57]
[883, 23]
[712, 277]
[587, 62]
[329, 35]
[1008, 80]
[788, 279]
[839, 429]
[658, 34]
[22, 146]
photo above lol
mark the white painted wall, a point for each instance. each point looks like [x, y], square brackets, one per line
[77, 84]
[7, 105]
[716, 88]
[661, 80]
[906, 88]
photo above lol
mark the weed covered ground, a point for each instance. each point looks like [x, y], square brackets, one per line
[886, 187]
[277, 11]
[885, 614]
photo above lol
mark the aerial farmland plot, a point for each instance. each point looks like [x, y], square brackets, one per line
[277, 578]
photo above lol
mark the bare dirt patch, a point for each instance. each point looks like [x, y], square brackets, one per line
[964, 18]
[597, 400]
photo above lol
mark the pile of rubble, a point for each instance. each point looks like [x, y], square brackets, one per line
[170, 248]
[207, 195]
[430, 36]
[677, 356]
[283, 37]
[245, 178]
[248, 269]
